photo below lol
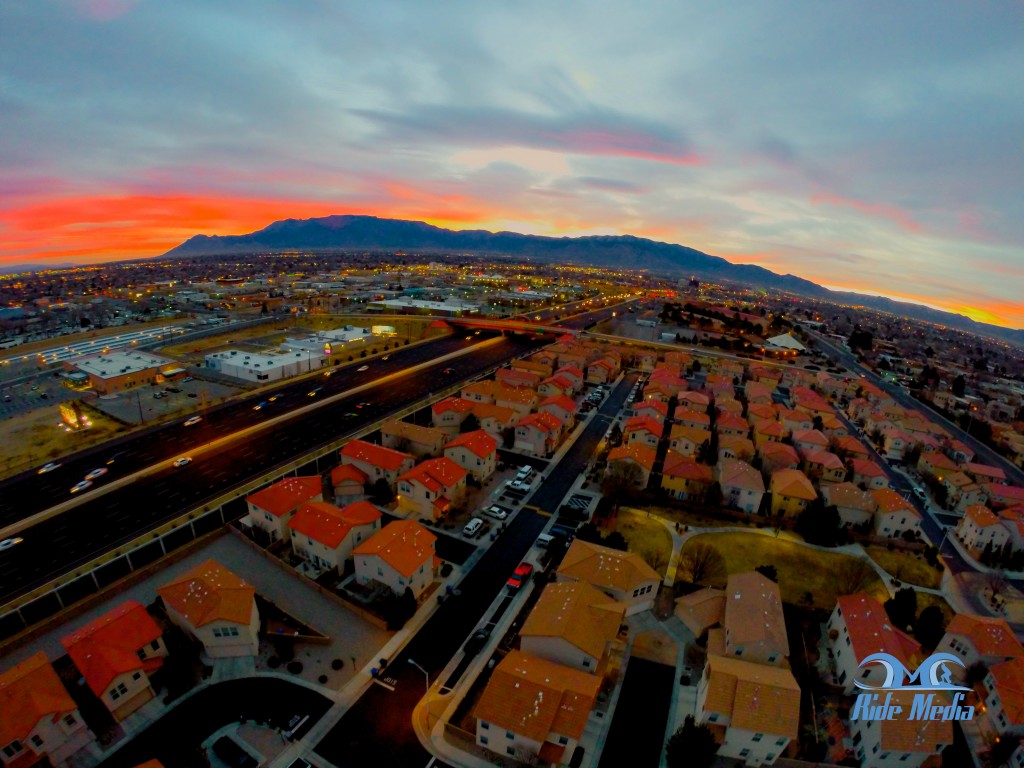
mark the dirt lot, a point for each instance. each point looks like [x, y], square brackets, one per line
[34, 438]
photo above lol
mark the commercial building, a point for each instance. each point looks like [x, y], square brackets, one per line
[254, 366]
[115, 372]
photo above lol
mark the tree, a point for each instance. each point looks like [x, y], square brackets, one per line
[620, 482]
[655, 557]
[902, 608]
[469, 424]
[852, 576]
[508, 437]
[819, 524]
[713, 498]
[691, 746]
[702, 563]
[381, 493]
[588, 532]
[931, 626]
[959, 385]
[770, 572]
[615, 540]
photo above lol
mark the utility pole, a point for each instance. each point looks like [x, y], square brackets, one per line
[138, 402]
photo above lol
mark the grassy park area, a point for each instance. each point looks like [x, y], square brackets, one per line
[646, 536]
[906, 567]
[801, 569]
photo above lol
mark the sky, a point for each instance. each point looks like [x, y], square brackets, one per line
[870, 146]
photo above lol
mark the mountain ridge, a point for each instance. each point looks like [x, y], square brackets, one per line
[351, 231]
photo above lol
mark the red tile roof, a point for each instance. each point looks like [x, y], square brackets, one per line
[286, 495]
[564, 402]
[29, 692]
[348, 472]
[403, 544]
[644, 424]
[871, 632]
[991, 636]
[677, 465]
[106, 647]
[1009, 678]
[793, 483]
[330, 525]
[542, 421]
[642, 454]
[456, 404]
[866, 468]
[435, 474]
[210, 592]
[375, 455]
[479, 442]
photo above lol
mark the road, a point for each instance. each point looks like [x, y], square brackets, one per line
[377, 729]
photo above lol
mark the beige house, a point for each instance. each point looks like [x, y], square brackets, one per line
[538, 434]
[867, 474]
[859, 627]
[476, 452]
[753, 627]
[116, 653]
[40, 719]
[980, 528]
[349, 484]
[562, 408]
[791, 492]
[448, 414]
[431, 488]
[325, 535]
[642, 429]
[687, 441]
[741, 484]
[776, 456]
[623, 576]
[376, 461]
[412, 438]
[986, 640]
[573, 623]
[271, 508]
[495, 419]
[702, 610]
[217, 608]
[894, 515]
[643, 456]
[855, 506]
[400, 556]
[534, 710]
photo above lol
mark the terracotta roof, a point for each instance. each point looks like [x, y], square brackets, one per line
[677, 465]
[106, 647]
[486, 388]
[991, 636]
[826, 459]
[605, 567]
[779, 451]
[984, 472]
[756, 697]
[753, 611]
[1009, 679]
[695, 435]
[739, 474]
[769, 428]
[652, 405]
[286, 495]
[572, 370]
[456, 404]
[375, 455]
[939, 461]
[848, 496]
[415, 433]
[348, 472]
[328, 524]
[435, 474]
[533, 697]
[577, 612]
[559, 380]
[642, 454]
[29, 692]
[478, 442]
[541, 421]
[210, 592]
[793, 483]
[688, 414]
[403, 544]
[889, 501]
[732, 421]
[812, 436]
[693, 398]
[922, 736]
[491, 411]
[701, 610]
[866, 468]
[644, 424]
[522, 396]
[564, 402]
[1005, 493]
[871, 632]
[763, 412]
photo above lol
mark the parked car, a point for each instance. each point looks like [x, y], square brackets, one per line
[518, 485]
[496, 512]
[187, 378]
[919, 492]
[477, 641]
[519, 576]
[472, 528]
[524, 473]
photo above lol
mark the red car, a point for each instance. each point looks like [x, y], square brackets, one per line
[519, 576]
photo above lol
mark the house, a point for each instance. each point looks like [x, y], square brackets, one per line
[731, 424]
[688, 441]
[984, 640]
[349, 483]
[824, 466]
[574, 624]
[624, 576]
[376, 461]
[216, 607]
[728, 406]
[271, 508]
[480, 391]
[115, 654]
[693, 419]
[534, 365]
[514, 377]
[858, 627]
[809, 441]
[495, 419]
[701, 610]
[794, 421]
[741, 484]
[935, 464]
[476, 452]
[448, 414]
[791, 492]
[777, 456]
[768, 432]
[895, 443]
[41, 722]
[753, 626]
[1002, 692]
[400, 556]
[538, 434]
[856, 507]
[753, 710]
[733, 447]
[684, 478]
[431, 487]
[867, 474]
[901, 741]
[960, 452]
[562, 408]
[982, 473]
[643, 429]
[556, 385]
[573, 374]
[325, 535]
[646, 360]
[894, 515]
[696, 401]
[638, 454]
[412, 438]
[534, 710]
[980, 530]
[1002, 496]
[652, 409]
[962, 492]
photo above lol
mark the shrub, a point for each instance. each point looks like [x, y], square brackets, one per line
[273, 662]
[295, 667]
[337, 664]
[322, 679]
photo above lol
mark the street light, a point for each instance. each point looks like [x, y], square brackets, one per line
[426, 696]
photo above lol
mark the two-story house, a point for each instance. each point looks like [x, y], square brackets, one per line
[476, 452]
[979, 529]
[894, 515]
[791, 492]
[376, 461]
[400, 556]
[638, 454]
[271, 508]
[538, 434]
[742, 485]
[859, 627]
[431, 487]
[643, 429]
[984, 640]
[624, 576]
[324, 535]
[684, 478]
[448, 414]
[418, 440]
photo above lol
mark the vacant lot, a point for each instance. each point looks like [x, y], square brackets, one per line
[35, 438]
[646, 536]
[802, 570]
[906, 567]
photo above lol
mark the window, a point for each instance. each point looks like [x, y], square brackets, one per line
[137, 676]
[780, 742]
[713, 717]
[483, 739]
[757, 737]
[769, 757]
[225, 632]
[12, 749]
[865, 673]
[69, 721]
[36, 741]
[118, 691]
[563, 740]
[485, 725]
[586, 663]
[510, 751]
[155, 645]
[509, 735]
[772, 658]
[847, 639]
[744, 752]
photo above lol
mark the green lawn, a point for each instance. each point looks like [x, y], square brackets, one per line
[646, 536]
[801, 569]
[906, 567]
[924, 599]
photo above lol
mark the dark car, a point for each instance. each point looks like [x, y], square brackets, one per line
[228, 750]
[477, 641]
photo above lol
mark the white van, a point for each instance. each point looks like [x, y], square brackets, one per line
[472, 528]
[524, 473]
[544, 540]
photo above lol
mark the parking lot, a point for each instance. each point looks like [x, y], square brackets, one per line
[141, 405]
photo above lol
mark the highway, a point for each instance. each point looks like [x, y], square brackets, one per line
[377, 729]
[100, 523]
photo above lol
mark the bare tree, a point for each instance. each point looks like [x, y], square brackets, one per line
[702, 564]
[621, 481]
[853, 576]
[655, 557]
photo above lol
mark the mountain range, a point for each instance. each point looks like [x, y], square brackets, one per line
[351, 232]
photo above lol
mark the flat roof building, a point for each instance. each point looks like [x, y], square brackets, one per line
[256, 366]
